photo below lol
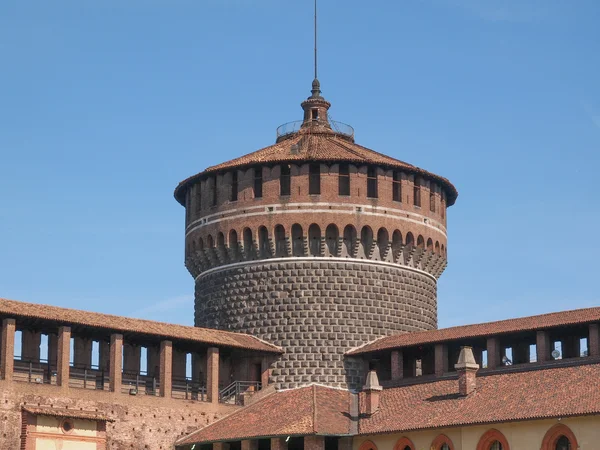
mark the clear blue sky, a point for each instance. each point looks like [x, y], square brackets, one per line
[106, 105]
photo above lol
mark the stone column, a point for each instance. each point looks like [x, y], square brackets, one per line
[250, 444]
[397, 365]
[493, 353]
[7, 352]
[166, 368]
[265, 371]
[30, 345]
[542, 346]
[594, 340]
[441, 359]
[82, 352]
[212, 375]
[314, 443]
[279, 444]
[116, 362]
[63, 364]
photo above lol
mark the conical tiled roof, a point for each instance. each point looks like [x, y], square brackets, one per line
[309, 146]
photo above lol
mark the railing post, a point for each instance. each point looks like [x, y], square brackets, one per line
[30, 370]
[154, 386]
[85, 378]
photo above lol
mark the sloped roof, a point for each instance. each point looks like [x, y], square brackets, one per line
[69, 413]
[574, 317]
[325, 147]
[15, 309]
[311, 410]
[539, 394]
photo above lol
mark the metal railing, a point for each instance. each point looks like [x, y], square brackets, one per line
[88, 377]
[293, 127]
[235, 391]
[135, 383]
[188, 389]
[38, 371]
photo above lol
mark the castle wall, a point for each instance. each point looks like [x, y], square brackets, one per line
[316, 309]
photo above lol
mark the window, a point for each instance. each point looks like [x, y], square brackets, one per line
[285, 181]
[432, 190]
[234, 186]
[496, 445]
[372, 182]
[314, 114]
[214, 191]
[67, 426]
[314, 181]
[445, 447]
[417, 192]
[344, 179]
[397, 187]
[258, 182]
[563, 443]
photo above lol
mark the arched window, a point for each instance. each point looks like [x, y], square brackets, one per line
[233, 243]
[314, 236]
[314, 179]
[410, 239]
[368, 445]
[420, 242]
[443, 250]
[442, 442]
[437, 247]
[280, 241]
[210, 241]
[297, 240]
[366, 239]
[350, 239]
[200, 244]
[332, 235]
[493, 440]
[372, 182]
[404, 443]
[560, 437]
[258, 182]
[220, 241]
[344, 179]
[248, 243]
[430, 244]
[383, 241]
[263, 242]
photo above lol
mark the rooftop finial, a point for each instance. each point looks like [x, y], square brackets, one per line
[316, 86]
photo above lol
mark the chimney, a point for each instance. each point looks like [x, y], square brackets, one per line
[467, 369]
[372, 390]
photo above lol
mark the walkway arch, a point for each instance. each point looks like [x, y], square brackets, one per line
[332, 238]
[314, 240]
[297, 240]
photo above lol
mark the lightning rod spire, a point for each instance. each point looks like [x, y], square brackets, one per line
[316, 39]
[316, 86]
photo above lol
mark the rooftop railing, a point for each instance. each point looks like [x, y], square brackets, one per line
[293, 127]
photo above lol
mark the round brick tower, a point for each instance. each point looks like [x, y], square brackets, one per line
[316, 244]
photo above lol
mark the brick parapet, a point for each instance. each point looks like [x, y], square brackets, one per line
[317, 310]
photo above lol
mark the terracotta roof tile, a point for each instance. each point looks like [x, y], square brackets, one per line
[578, 316]
[556, 392]
[316, 147]
[12, 308]
[283, 413]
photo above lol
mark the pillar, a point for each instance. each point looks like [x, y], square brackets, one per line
[179, 364]
[313, 443]
[166, 368]
[542, 346]
[116, 362]
[153, 361]
[222, 446]
[265, 371]
[212, 375]
[7, 352]
[280, 444]
[131, 358]
[250, 444]
[63, 357]
[493, 353]
[594, 340]
[441, 359]
[82, 352]
[30, 345]
[397, 364]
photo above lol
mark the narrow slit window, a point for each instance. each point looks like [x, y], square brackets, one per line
[234, 186]
[198, 197]
[432, 197]
[397, 187]
[285, 181]
[214, 191]
[344, 180]
[258, 183]
[314, 182]
[417, 192]
[372, 182]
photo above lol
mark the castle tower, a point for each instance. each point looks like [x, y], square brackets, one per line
[316, 244]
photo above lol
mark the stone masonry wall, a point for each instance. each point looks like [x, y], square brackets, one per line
[316, 309]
